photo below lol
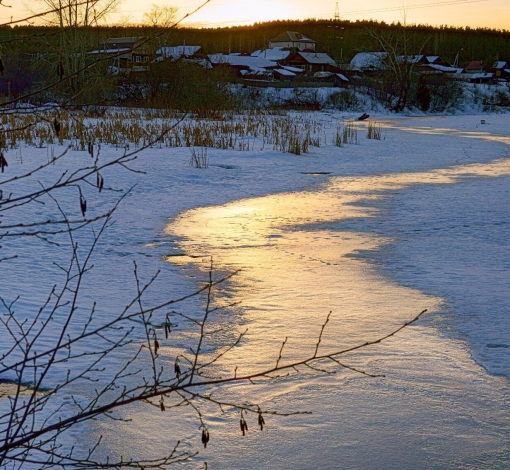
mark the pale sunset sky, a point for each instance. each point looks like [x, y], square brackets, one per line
[473, 13]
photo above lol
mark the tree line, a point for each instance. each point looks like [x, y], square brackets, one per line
[342, 39]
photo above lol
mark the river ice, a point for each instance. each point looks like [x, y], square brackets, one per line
[417, 220]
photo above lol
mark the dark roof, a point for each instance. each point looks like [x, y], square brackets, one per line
[122, 42]
[292, 36]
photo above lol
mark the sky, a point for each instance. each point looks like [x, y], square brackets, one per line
[473, 13]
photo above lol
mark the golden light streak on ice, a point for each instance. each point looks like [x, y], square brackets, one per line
[291, 276]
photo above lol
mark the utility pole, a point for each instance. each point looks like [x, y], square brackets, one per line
[337, 29]
[456, 61]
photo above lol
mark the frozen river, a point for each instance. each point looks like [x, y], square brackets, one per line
[373, 233]
[375, 250]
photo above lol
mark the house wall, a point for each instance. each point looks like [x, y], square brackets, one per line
[291, 44]
[310, 68]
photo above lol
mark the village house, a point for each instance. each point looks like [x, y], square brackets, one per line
[501, 70]
[174, 53]
[369, 62]
[438, 69]
[312, 62]
[293, 40]
[276, 54]
[482, 77]
[475, 66]
[429, 64]
[297, 59]
[245, 65]
[423, 59]
[373, 63]
[284, 75]
[128, 54]
[475, 73]
[190, 54]
[287, 73]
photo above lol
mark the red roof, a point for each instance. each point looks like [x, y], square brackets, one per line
[475, 65]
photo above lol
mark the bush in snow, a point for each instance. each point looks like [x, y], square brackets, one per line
[345, 100]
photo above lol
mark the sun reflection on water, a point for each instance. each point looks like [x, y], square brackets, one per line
[298, 263]
[294, 270]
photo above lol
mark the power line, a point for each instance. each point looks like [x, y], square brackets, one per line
[347, 13]
[413, 7]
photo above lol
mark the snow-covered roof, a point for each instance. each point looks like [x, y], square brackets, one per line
[272, 53]
[202, 62]
[500, 64]
[117, 50]
[410, 59]
[241, 61]
[255, 71]
[323, 74]
[443, 68]
[258, 70]
[286, 73]
[369, 60]
[415, 59]
[341, 76]
[292, 69]
[175, 52]
[432, 58]
[124, 40]
[190, 60]
[317, 58]
[292, 36]
[477, 76]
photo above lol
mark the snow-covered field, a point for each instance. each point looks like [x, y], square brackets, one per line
[375, 233]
